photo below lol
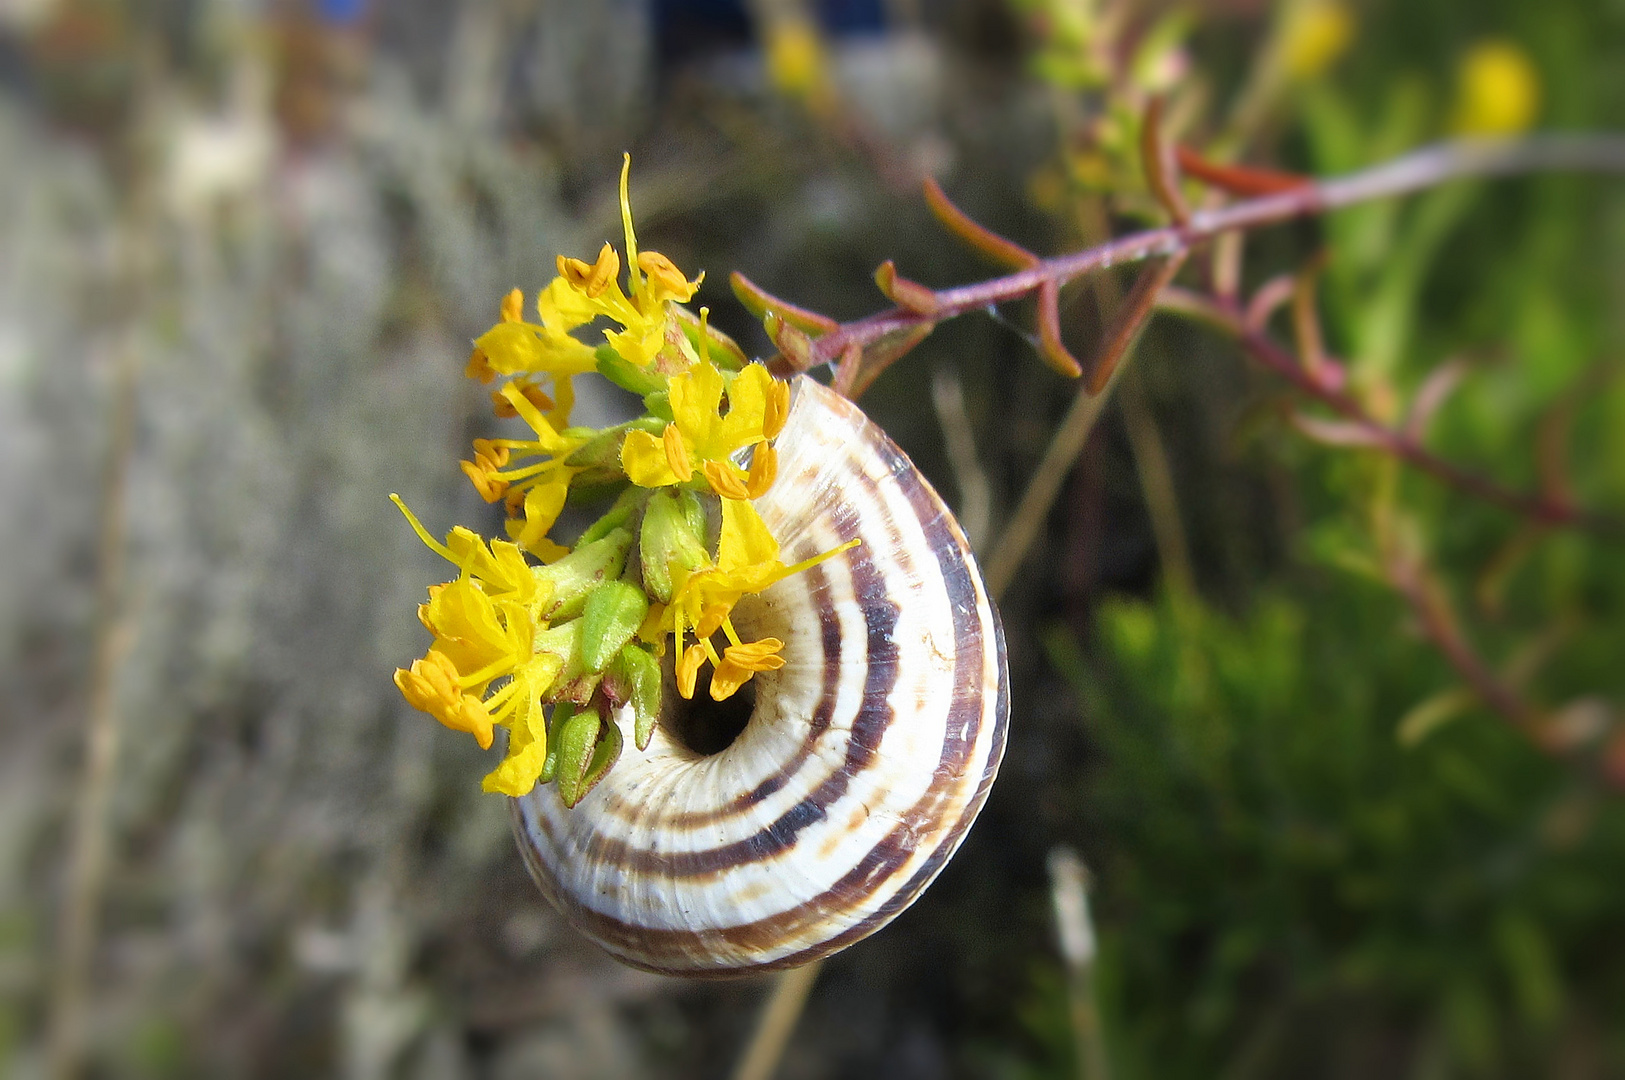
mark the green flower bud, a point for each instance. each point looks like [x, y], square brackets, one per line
[575, 736]
[575, 575]
[634, 677]
[587, 747]
[671, 543]
[612, 614]
[602, 449]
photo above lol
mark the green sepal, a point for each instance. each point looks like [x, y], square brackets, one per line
[670, 545]
[628, 503]
[612, 614]
[576, 739]
[625, 374]
[634, 678]
[575, 575]
[659, 405]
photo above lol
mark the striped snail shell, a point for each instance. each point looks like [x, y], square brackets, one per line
[863, 762]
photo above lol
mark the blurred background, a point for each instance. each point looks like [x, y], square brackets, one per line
[244, 245]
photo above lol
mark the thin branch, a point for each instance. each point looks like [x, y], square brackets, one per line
[1425, 168]
[1157, 484]
[87, 855]
[975, 492]
[777, 1022]
[1402, 444]
[1438, 621]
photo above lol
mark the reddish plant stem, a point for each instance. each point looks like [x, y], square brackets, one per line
[1543, 509]
[1438, 621]
[1424, 168]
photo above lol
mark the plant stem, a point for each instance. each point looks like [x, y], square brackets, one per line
[1425, 168]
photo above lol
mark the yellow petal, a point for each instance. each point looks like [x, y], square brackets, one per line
[747, 412]
[513, 347]
[745, 541]
[563, 307]
[527, 752]
[677, 453]
[544, 549]
[513, 306]
[640, 342]
[644, 458]
[695, 396]
[726, 479]
[688, 669]
[727, 679]
[542, 505]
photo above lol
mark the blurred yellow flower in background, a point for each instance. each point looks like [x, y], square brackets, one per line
[1497, 90]
[1313, 36]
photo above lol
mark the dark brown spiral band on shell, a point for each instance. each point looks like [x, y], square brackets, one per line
[866, 758]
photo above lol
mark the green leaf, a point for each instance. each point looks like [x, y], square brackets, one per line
[659, 405]
[612, 614]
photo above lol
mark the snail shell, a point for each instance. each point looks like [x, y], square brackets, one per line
[862, 766]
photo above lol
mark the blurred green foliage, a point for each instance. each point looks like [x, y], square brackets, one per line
[1315, 852]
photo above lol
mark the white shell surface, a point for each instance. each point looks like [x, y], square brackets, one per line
[866, 758]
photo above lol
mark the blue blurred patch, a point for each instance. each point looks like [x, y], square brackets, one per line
[340, 12]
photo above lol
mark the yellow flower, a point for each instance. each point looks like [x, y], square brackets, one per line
[702, 436]
[581, 293]
[740, 662]
[433, 687]
[527, 753]
[1498, 90]
[796, 64]
[1315, 34]
[747, 562]
[484, 630]
[544, 483]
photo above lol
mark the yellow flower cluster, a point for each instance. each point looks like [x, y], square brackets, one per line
[551, 650]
